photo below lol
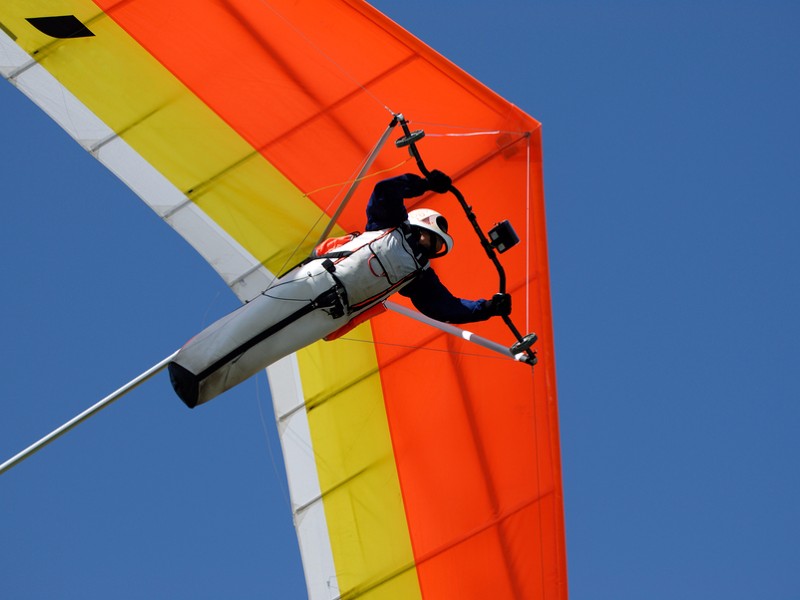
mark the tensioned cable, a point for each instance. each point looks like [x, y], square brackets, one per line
[357, 179]
[528, 235]
[284, 490]
[466, 129]
[350, 77]
[352, 180]
[326, 56]
[472, 132]
[261, 263]
[347, 75]
[428, 349]
[534, 413]
[365, 166]
[538, 473]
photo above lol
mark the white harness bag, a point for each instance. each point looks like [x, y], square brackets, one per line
[305, 305]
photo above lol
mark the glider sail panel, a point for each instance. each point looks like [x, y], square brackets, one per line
[420, 466]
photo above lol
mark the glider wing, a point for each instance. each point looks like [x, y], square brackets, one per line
[420, 465]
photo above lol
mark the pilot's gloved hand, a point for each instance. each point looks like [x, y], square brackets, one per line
[439, 182]
[499, 305]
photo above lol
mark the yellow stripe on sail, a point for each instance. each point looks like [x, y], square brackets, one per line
[247, 197]
[356, 466]
[171, 129]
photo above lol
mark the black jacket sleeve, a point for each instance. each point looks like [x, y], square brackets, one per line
[430, 297]
[386, 208]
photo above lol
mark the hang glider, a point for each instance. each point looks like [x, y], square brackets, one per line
[420, 464]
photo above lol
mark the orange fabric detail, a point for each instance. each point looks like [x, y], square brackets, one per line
[331, 244]
[356, 321]
[371, 270]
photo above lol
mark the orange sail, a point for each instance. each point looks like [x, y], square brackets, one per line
[420, 465]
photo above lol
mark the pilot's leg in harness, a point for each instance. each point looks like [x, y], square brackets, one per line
[304, 306]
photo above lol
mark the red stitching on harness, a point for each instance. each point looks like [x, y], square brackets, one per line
[371, 270]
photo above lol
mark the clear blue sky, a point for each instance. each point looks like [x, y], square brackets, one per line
[672, 160]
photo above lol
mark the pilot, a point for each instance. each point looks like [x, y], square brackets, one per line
[405, 265]
[345, 282]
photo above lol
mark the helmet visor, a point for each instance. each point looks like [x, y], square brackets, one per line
[432, 229]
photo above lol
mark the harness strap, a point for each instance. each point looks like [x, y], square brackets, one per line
[335, 255]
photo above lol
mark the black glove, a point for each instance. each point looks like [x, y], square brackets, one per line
[438, 182]
[499, 305]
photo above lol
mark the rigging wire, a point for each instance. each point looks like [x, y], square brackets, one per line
[492, 356]
[352, 180]
[349, 76]
[204, 321]
[528, 235]
[463, 130]
[538, 474]
[280, 479]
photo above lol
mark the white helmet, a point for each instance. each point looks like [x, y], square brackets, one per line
[432, 221]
